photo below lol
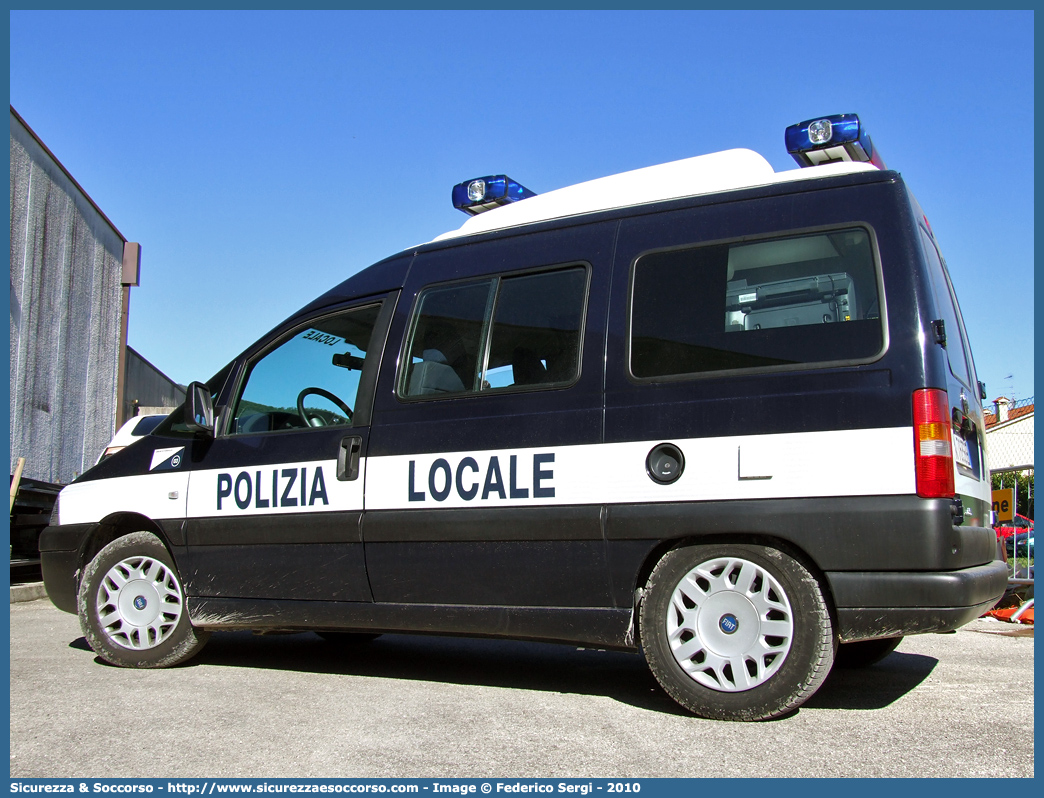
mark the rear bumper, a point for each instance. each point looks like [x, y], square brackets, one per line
[879, 604]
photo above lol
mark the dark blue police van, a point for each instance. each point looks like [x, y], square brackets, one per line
[723, 415]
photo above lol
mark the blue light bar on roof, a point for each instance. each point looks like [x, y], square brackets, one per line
[485, 193]
[831, 138]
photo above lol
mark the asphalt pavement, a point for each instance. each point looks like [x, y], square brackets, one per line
[955, 705]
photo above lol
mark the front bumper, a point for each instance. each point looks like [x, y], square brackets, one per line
[60, 563]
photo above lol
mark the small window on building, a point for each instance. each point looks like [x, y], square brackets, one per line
[778, 302]
[513, 332]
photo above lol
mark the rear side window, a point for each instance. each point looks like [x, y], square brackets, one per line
[522, 331]
[743, 305]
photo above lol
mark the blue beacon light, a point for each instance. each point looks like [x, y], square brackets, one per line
[828, 139]
[485, 193]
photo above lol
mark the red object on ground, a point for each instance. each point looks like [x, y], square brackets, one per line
[1007, 612]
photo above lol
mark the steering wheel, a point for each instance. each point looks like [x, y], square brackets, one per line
[309, 422]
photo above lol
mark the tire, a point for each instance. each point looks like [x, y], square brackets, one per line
[348, 639]
[736, 632]
[132, 606]
[864, 653]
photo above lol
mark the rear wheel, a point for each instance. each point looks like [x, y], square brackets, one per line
[736, 632]
[132, 607]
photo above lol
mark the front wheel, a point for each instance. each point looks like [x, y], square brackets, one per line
[132, 606]
[736, 632]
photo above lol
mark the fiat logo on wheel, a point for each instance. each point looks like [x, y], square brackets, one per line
[140, 602]
[728, 623]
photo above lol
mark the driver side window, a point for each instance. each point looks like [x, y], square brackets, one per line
[310, 378]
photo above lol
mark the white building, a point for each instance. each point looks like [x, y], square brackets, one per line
[1009, 435]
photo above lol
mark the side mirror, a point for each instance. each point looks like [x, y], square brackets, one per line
[982, 390]
[199, 411]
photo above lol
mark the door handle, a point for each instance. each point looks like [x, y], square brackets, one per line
[348, 458]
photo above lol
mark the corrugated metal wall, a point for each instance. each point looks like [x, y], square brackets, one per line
[66, 267]
[148, 386]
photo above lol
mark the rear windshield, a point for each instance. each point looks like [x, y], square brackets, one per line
[147, 425]
[946, 303]
[774, 302]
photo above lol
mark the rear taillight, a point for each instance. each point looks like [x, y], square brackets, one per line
[933, 444]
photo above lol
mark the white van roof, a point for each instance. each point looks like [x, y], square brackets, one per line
[705, 174]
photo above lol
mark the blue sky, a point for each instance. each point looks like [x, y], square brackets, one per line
[262, 157]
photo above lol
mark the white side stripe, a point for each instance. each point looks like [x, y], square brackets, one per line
[146, 494]
[836, 463]
[792, 465]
